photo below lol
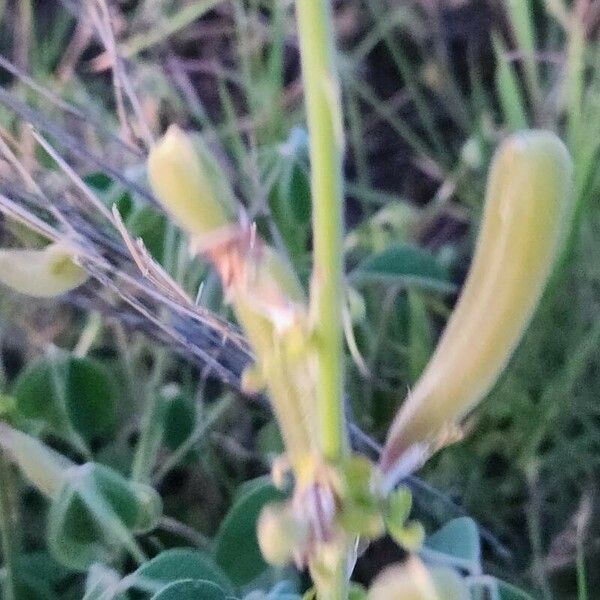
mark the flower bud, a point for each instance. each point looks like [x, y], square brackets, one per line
[280, 534]
[188, 184]
[526, 216]
[42, 273]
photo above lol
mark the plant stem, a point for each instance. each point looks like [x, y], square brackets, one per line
[9, 550]
[89, 334]
[325, 127]
[151, 427]
[323, 108]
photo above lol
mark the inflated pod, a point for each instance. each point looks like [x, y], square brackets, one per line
[526, 216]
[187, 182]
[42, 273]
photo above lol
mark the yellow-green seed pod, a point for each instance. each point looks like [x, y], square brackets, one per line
[526, 216]
[42, 273]
[185, 180]
[414, 581]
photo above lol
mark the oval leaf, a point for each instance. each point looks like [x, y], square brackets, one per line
[459, 539]
[237, 550]
[96, 514]
[190, 589]
[91, 397]
[405, 265]
[67, 392]
[177, 564]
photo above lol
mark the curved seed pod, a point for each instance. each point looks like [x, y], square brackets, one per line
[42, 273]
[186, 180]
[525, 218]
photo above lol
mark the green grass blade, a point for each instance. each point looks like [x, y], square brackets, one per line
[509, 89]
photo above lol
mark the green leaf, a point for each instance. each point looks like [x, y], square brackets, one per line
[147, 223]
[91, 398]
[286, 171]
[357, 592]
[268, 440]
[410, 537]
[98, 180]
[404, 265]
[176, 564]
[74, 537]
[67, 392]
[460, 539]
[236, 549]
[299, 191]
[38, 576]
[290, 205]
[110, 192]
[509, 89]
[96, 514]
[190, 589]
[179, 418]
[7, 407]
[420, 335]
[39, 396]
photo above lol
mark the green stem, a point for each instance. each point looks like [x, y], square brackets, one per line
[325, 127]
[324, 116]
[7, 518]
[89, 335]
[151, 427]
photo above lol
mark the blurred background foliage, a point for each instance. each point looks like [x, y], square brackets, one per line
[429, 88]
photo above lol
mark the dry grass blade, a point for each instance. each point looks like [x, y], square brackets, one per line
[128, 284]
[147, 265]
[133, 300]
[67, 108]
[101, 18]
[71, 143]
